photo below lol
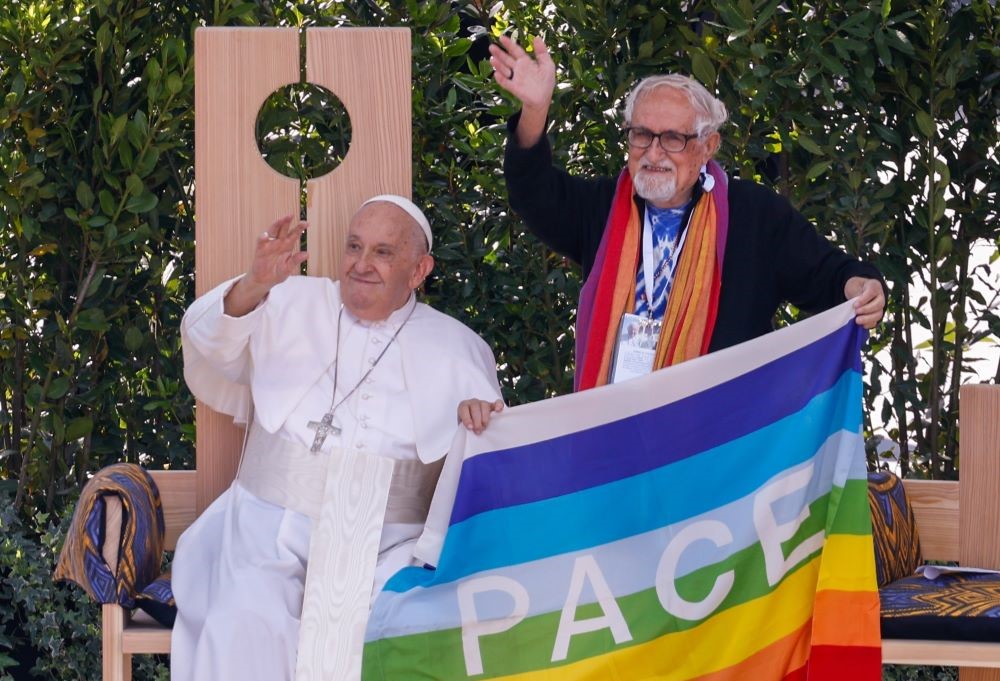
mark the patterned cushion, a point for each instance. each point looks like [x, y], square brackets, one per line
[139, 546]
[157, 600]
[894, 529]
[951, 607]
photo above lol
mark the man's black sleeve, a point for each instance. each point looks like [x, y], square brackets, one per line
[812, 271]
[567, 213]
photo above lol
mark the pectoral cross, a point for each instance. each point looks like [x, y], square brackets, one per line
[323, 428]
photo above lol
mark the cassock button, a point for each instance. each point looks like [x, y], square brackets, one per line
[376, 341]
[365, 396]
[371, 360]
[360, 445]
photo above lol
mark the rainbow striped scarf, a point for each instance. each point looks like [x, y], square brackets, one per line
[706, 522]
[609, 291]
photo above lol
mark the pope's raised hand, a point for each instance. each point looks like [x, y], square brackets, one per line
[278, 254]
[530, 79]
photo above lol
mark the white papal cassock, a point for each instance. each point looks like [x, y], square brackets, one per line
[239, 570]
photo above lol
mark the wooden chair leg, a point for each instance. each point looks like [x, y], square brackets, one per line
[117, 665]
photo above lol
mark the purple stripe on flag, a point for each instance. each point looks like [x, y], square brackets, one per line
[551, 468]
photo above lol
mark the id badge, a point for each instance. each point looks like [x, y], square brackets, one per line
[635, 349]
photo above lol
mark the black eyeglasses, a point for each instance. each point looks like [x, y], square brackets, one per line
[669, 140]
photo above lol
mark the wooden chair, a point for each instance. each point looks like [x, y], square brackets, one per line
[239, 195]
[960, 521]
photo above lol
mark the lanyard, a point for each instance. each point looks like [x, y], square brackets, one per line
[648, 264]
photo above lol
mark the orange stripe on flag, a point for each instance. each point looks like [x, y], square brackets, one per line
[790, 652]
[835, 610]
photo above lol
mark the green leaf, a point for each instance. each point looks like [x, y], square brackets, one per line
[107, 202]
[103, 37]
[809, 145]
[925, 124]
[135, 133]
[34, 395]
[92, 319]
[118, 127]
[818, 169]
[174, 83]
[78, 427]
[457, 48]
[153, 69]
[702, 68]
[142, 203]
[732, 16]
[17, 87]
[84, 195]
[58, 388]
[134, 185]
[133, 339]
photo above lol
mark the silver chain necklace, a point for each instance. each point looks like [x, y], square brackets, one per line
[326, 425]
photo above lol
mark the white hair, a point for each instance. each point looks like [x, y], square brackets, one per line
[710, 113]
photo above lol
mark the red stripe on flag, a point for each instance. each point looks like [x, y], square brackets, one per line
[835, 663]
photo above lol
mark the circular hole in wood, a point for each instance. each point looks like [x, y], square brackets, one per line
[303, 131]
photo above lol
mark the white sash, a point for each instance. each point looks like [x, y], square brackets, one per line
[349, 496]
[287, 474]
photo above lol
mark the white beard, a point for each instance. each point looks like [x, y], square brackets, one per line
[653, 187]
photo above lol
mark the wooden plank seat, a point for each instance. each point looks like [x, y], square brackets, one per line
[960, 522]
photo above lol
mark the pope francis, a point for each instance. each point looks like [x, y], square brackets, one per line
[316, 368]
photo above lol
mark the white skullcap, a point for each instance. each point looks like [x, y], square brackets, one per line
[411, 209]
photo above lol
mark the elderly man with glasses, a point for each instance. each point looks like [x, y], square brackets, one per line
[672, 242]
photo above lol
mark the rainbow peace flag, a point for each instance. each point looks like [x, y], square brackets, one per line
[708, 521]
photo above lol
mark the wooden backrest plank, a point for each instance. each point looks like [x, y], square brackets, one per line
[177, 493]
[935, 505]
[238, 195]
[368, 69]
[979, 461]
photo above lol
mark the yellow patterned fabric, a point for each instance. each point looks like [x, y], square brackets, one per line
[140, 544]
[962, 607]
[894, 529]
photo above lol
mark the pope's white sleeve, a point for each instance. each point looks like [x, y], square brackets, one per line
[217, 362]
[489, 369]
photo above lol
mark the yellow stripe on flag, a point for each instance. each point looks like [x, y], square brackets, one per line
[722, 641]
[848, 564]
